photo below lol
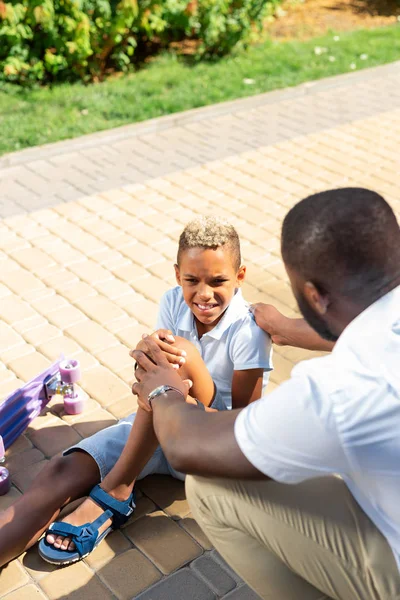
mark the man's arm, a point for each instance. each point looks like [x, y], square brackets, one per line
[288, 332]
[193, 441]
[200, 443]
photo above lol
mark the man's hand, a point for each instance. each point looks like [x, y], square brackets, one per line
[164, 340]
[154, 370]
[272, 321]
[163, 334]
[285, 331]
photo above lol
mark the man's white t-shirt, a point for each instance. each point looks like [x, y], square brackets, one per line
[339, 414]
[235, 344]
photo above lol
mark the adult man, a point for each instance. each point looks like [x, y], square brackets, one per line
[339, 415]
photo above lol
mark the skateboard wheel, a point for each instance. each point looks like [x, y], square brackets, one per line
[5, 481]
[70, 370]
[74, 405]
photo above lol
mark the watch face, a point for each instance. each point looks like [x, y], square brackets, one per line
[159, 390]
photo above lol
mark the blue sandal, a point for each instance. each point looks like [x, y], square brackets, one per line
[86, 537]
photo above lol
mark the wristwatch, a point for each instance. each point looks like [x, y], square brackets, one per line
[162, 389]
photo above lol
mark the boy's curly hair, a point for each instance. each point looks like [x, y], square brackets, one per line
[210, 232]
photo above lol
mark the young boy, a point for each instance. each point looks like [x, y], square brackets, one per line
[206, 329]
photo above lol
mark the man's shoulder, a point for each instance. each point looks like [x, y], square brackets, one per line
[332, 374]
[317, 366]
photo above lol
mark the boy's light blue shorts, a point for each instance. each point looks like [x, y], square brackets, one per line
[105, 447]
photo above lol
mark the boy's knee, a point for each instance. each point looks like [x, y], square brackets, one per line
[188, 347]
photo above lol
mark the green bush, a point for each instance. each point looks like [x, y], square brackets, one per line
[55, 40]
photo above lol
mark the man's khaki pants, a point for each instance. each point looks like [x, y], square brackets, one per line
[309, 541]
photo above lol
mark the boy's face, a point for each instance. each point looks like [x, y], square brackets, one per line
[208, 278]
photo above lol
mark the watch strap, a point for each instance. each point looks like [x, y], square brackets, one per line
[162, 389]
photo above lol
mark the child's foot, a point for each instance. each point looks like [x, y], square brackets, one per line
[87, 512]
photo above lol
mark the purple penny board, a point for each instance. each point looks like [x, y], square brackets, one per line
[22, 406]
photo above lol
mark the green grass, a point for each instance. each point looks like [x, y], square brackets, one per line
[168, 85]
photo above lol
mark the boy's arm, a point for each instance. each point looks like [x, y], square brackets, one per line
[193, 441]
[288, 332]
[246, 387]
[250, 350]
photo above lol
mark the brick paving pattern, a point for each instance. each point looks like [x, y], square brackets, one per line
[88, 236]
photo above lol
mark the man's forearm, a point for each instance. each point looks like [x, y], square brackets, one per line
[298, 333]
[285, 331]
[198, 442]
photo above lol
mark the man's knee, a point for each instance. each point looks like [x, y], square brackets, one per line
[199, 488]
[193, 489]
[191, 486]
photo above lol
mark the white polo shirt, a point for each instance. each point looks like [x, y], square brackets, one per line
[235, 344]
[339, 414]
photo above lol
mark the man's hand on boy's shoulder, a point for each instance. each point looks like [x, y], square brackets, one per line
[285, 331]
[271, 321]
[165, 341]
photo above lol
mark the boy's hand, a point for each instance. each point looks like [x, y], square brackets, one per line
[272, 321]
[153, 372]
[164, 340]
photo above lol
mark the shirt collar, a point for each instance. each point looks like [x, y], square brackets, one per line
[379, 316]
[186, 320]
[231, 314]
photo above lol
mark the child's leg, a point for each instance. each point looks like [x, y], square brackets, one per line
[64, 479]
[119, 482]
[141, 445]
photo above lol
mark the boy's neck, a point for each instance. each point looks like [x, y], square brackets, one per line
[202, 329]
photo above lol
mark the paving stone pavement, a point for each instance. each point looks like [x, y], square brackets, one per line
[42, 177]
[88, 235]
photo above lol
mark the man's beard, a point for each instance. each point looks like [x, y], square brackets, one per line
[314, 320]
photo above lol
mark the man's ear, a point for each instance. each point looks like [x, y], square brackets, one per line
[318, 301]
[241, 275]
[177, 275]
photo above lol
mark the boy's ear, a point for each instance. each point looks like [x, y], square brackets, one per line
[241, 275]
[177, 275]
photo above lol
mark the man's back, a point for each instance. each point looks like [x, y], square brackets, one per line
[340, 414]
[367, 407]
[361, 382]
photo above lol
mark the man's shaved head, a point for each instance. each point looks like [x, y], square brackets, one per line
[345, 241]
